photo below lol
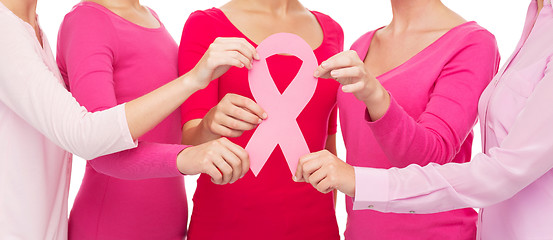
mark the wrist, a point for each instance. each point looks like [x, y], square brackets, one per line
[378, 103]
[190, 82]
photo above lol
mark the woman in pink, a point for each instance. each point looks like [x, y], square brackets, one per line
[40, 122]
[431, 67]
[269, 205]
[511, 182]
[106, 60]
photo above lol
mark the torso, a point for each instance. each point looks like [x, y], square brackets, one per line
[271, 205]
[410, 78]
[144, 59]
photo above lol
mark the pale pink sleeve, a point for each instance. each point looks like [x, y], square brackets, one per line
[88, 45]
[450, 114]
[522, 158]
[35, 94]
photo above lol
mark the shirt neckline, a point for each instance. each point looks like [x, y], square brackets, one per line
[227, 20]
[107, 10]
[418, 54]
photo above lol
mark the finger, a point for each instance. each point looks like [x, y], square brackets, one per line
[354, 87]
[341, 60]
[249, 105]
[234, 162]
[317, 177]
[224, 168]
[247, 62]
[324, 186]
[298, 177]
[235, 124]
[242, 46]
[242, 115]
[224, 131]
[240, 153]
[354, 73]
[213, 172]
[310, 167]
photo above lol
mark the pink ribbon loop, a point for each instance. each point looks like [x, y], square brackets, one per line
[281, 127]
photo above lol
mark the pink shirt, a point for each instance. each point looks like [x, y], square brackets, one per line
[269, 206]
[107, 60]
[430, 119]
[512, 181]
[38, 120]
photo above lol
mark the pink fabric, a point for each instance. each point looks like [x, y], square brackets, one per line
[270, 206]
[39, 123]
[512, 181]
[430, 119]
[107, 60]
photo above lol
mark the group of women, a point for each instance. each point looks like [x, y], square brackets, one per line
[145, 111]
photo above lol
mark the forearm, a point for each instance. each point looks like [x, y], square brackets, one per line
[146, 112]
[194, 133]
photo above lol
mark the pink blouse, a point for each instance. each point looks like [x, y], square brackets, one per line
[430, 120]
[39, 122]
[139, 193]
[512, 180]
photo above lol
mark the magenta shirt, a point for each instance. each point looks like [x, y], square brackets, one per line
[139, 193]
[512, 181]
[430, 119]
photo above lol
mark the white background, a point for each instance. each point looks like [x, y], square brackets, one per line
[503, 18]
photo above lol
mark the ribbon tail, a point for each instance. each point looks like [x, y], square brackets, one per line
[294, 147]
[260, 147]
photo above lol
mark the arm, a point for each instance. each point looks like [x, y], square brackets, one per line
[450, 114]
[205, 117]
[88, 49]
[522, 158]
[35, 94]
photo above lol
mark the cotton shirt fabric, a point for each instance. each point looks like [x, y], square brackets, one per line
[271, 205]
[38, 120]
[434, 98]
[136, 194]
[512, 181]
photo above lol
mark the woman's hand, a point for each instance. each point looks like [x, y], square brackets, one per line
[221, 55]
[349, 70]
[224, 161]
[326, 172]
[233, 115]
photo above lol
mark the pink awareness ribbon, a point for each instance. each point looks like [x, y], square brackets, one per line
[281, 126]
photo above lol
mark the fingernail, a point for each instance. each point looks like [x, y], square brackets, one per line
[264, 115]
[259, 121]
[316, 74]
[256, 56]
[241, 65]
[295, 179]
[334, 74]
[324, 64]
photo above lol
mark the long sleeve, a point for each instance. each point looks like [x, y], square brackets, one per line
[35, 94]
[88, 47]
[439, 132]
[520, 159]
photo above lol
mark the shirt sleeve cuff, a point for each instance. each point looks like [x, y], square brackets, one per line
[371, 189]
[170, 159]
[126, 136]
[390, 120]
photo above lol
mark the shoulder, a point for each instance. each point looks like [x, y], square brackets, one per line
[203, 17]
[363, 42]
[470, 33]
[88, 12]
[328, 24]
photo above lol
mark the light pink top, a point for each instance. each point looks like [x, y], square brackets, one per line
[135, 194]
[512, 181]
[38, 120]
[432, 112]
